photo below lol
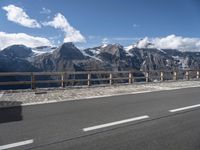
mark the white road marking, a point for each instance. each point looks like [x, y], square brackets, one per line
[114, 123]
[16, 144]
[184, 108]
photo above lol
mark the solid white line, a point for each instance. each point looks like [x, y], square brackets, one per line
[114, 123]
[184, 108]
[16, 144]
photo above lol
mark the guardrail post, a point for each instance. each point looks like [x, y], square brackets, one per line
[174, 75]
[32, 81]
[63, 79]
[161, 76]
[147, 76]
[88, 81]
[187, 75]
[197, 74]
[130, 77]
[111, 79]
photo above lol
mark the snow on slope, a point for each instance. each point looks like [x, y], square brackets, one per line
[41, 50]
[95, 53]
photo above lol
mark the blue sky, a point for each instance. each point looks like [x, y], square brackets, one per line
[110, 21]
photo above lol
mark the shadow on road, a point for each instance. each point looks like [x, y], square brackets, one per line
[10, 114]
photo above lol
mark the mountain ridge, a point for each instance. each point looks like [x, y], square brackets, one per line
[104, 57]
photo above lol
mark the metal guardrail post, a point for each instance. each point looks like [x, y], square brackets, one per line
[32, 81]
[111, 79]
[147, 76]
[197, 74]
[187, 75]
[174, 75]
[161, 76]
[89, 81]
[130, 77]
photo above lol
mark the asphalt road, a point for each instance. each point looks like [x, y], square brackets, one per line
[149, 121]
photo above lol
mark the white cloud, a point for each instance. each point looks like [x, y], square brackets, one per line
[105, 41]
[172, 42]
[19, 16]
[136, 25]
[144, 43]
[7, 39]
[45, 11]
[178, 42]
[71, 34]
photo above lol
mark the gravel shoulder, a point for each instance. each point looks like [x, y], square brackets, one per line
[42, 96]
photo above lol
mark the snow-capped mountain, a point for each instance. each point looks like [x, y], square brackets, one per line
[141, 55]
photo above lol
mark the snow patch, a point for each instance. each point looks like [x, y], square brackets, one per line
[183, 62]
[41, 50]
[104, 45]
[129, 48]
[95, 51]
[94, 57]
[161, 50]
[168, 62]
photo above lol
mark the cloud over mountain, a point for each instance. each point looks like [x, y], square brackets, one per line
[19, 16]
[7, 39]
[71, 34]
[171, 42]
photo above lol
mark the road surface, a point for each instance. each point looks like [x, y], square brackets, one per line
[167, 120]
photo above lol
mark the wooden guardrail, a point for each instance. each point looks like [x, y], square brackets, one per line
[89, 77]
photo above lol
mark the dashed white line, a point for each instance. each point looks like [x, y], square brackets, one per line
[184, 108]
[114, 123]
[3, 147]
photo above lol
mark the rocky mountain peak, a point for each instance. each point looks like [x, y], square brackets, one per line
[68, 51]
[68, 45]
[17, 51]
[112, 49]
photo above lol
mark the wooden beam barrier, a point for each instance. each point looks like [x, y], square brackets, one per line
[197, 74]
[187, 75]
[63, 80]
[111, 79]
[161, 76]
[174, 75]
[89, 79]
[33, 81]
[130, 77]
[147, 76]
